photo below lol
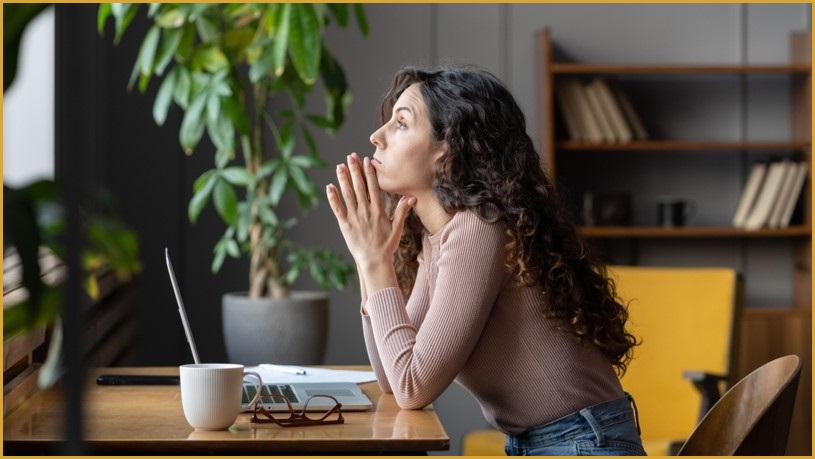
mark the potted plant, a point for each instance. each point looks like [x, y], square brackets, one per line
[241, 74]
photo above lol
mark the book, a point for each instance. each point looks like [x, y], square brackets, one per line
[630, 114]
[568, 111]
[599, 113]
[795, 193]
[612, 110]
[749, 193]
[766, 199]
[783, 195]
[585, 114]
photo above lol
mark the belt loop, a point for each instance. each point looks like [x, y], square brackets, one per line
[601, 440]
[636, 411]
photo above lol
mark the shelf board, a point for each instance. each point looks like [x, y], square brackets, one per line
[691, 232]
[683, 145]
[578, 69]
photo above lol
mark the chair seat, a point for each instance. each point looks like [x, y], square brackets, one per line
[485, 442]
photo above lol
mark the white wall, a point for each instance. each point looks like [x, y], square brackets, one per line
[28, 107]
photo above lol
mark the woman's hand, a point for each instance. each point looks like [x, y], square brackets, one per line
[371, 236]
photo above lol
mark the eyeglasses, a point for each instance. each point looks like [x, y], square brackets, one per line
[261, 415]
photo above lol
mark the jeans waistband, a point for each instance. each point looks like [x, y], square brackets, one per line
[590, 418]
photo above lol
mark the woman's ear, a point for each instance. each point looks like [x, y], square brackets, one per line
[441, 150]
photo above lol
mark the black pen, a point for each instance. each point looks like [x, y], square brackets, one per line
[150, 380]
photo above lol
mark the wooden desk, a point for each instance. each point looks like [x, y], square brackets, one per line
[150, 420]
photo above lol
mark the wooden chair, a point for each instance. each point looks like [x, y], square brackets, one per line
[686, 318]
[753, 417]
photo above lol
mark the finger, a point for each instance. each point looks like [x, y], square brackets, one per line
[401, 212]
[373, 183]
[335, 202]
[344, 178]
[358, 180]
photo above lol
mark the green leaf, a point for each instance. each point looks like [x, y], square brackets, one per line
[267, 215]
[124, 14]
[304, 36]
[211, 59]
[279, 182]
[244, 221]
[321, 121]
[172, 19]
[268, 167]
[306, 161]
[193, 124]
[284, 138]
[207, 30]
[226, 202]
[237, 113]
[281, 39]
[237, 175]
[147, 52]
[101, 17]
[187, 44]
[301, 180]
[312, 144]
[202, 190]
[340, 12]
[167, 48]
[219, 254]
[164, 97]
[362, 20]
[232, 249]
[183, 87]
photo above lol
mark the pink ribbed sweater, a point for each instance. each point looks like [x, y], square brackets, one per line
[466, 321]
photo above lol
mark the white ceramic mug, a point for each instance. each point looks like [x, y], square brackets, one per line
[211, 393]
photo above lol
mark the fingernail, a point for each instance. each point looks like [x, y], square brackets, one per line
[367, 162]
[339, 168]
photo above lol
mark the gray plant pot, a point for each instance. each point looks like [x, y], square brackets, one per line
[290, 330]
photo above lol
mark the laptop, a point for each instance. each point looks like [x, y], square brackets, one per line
[347, 393]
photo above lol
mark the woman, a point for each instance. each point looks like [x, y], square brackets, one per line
[470, 270]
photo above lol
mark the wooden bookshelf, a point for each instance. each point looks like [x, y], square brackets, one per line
[798, 145]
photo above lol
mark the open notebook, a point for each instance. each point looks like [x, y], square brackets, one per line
[347, 393]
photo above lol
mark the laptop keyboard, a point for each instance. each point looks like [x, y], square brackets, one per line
[249, 391]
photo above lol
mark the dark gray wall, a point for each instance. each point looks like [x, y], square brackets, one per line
[151, 178]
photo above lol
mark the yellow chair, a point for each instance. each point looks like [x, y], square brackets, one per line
[686, 319]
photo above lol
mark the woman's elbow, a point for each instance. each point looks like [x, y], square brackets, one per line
[407, 403]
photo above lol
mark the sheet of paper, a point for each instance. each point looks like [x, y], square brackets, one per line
[286, 374]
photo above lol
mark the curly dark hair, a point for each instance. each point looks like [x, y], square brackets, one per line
[491, 167]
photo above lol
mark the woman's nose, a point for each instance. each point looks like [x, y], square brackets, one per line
[376, 138]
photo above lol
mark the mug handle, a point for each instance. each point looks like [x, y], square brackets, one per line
[259, 385]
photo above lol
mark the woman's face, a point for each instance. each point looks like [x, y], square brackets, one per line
[405, 148]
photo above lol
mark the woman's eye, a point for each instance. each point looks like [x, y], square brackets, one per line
[400, 125]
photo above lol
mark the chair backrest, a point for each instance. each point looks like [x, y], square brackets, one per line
[685, 318]
[753, 417]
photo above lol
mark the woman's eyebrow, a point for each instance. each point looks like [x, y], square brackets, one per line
[398, 109]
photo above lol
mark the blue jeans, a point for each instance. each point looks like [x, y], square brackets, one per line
[605, 429]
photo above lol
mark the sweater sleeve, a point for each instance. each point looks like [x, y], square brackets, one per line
[421, 359]
[373, 355]
[418, 302]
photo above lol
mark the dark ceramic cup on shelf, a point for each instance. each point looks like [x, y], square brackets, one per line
[674, 211]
